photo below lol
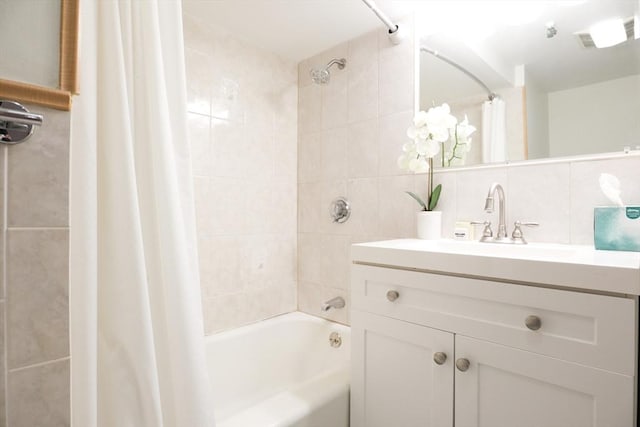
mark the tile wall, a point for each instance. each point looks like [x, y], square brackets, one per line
[243, 124]
[34, 296]
[559, 195]
[350, 135]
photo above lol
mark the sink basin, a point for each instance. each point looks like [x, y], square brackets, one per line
[528, 251]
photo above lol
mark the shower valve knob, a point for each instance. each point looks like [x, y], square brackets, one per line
[340, 210]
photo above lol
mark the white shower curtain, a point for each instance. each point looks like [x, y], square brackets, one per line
[494, 131]
[137, 357]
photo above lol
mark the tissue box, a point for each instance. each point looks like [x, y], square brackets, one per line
[617, 228]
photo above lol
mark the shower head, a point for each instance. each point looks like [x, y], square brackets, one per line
[322, 76]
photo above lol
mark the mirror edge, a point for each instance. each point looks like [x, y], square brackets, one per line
[33, 94]
[546, 161]
[59, 99]
[70, 16]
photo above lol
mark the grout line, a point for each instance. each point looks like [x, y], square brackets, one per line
[36, 228]
[37, 365]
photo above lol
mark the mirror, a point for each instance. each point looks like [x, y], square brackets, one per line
[562, 96]
[39, 52]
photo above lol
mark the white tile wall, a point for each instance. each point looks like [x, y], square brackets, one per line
[558, 195]
[349, 136]
[243, 115]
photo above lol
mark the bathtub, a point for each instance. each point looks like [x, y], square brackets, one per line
[280, 372]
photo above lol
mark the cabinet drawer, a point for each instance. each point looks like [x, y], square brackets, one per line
[594, 330]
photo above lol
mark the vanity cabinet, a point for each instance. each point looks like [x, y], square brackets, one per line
[433, 349]
[396, 380]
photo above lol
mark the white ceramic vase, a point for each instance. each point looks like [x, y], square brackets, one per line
[429, 225]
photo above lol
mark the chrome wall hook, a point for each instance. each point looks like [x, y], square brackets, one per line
[16, 122]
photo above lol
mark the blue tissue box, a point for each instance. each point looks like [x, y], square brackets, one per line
[617, 228]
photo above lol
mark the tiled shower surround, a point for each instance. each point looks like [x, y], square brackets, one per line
[35, 257]
[243, 124]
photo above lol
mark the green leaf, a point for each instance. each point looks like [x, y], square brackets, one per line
[433, 201]
[418, 199]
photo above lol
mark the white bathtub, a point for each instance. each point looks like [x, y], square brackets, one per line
[280, 372]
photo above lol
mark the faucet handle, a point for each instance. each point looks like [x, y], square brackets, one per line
[487, 232]
[517, 235]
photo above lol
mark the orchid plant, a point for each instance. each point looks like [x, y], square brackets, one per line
[432, 132]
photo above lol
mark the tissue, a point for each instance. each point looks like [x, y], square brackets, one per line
[616, 228]
[610, 186]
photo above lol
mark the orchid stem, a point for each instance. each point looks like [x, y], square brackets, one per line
[430, 182]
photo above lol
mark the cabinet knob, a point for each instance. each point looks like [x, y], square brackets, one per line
[463, 364]
[392, 295]
[533, 322]
[440, 358]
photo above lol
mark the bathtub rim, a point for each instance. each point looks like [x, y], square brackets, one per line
[268, 322]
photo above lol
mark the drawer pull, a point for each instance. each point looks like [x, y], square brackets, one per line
[393, 295]
[440, 358]
[463, 364]
[533, 322]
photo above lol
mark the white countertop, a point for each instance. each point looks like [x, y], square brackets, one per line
[573, 266]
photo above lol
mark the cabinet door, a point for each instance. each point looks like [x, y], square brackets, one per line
[395, 380]
[506, 387]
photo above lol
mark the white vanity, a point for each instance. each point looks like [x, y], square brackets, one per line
[468, 334]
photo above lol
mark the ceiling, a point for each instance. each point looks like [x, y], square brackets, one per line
[294, 29]
[298, 29]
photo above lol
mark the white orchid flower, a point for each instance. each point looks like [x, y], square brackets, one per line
[465, 129]
[415, 133]
[412, 132]
[420, 119]
[418, 165]
[439, 133]
[440, 117]
[432, 131]
[403, 162]
[409, 147]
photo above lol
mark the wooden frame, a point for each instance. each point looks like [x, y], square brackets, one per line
[68, 74]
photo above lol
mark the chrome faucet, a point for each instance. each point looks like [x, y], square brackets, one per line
[337, 302]
[489, 207]
[487, 234]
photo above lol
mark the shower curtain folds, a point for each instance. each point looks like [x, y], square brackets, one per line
[137, 351]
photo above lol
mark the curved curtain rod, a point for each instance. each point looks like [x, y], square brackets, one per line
[385, 20]
[492, 95]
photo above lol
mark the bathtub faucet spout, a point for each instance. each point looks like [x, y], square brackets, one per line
[337, 302]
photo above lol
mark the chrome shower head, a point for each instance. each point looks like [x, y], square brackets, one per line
[322, 76]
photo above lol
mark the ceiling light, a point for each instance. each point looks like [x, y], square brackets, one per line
[608, 33]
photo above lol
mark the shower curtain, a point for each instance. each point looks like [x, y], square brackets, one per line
[137, 356]
[494, 131]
